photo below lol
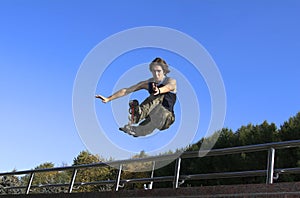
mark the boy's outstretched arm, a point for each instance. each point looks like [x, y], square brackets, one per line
[123, 92]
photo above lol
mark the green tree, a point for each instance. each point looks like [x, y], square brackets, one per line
[137, 170]
[226, 139]
[9, 181]
[92, 174]
[246, 135]
[288, 158]
[46, 178]
[290, 130]
[256, 134]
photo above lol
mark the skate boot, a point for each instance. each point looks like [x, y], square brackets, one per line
[134, 111]
[129, 130]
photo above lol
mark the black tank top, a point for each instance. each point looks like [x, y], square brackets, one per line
[169, 97]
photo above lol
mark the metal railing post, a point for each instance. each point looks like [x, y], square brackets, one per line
[177, 173]
[29, 183]
[270, 166]
[152, 175]
[72, 180]
[117, 184]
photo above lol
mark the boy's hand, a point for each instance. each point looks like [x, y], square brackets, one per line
[104, 99]
[155, 89]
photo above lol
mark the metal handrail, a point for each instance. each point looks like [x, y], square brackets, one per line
[270, 147]
[189, 154]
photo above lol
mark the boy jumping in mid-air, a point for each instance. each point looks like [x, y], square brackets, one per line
[157, 110]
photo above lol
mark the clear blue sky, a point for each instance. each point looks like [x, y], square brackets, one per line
[254, 43]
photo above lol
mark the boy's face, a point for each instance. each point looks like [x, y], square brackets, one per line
[158, 73]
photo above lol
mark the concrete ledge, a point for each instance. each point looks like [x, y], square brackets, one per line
[285, 190]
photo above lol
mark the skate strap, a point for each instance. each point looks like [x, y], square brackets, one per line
[132, 114]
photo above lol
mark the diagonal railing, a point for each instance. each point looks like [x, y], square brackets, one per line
[270, 173]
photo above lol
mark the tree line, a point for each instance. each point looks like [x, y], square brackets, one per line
[246, 135]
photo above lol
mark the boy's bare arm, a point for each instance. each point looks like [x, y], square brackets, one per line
[123, 92]
[169, 87]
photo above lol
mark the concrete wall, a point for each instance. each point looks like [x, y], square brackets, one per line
[285, 190]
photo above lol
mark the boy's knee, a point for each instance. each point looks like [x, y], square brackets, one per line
[168, 122]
